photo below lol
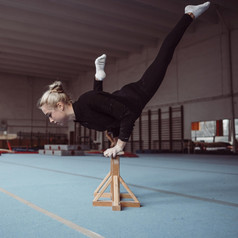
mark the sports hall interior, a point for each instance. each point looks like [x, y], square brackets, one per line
[181, 162]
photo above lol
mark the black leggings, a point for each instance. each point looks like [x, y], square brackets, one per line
[139, 93]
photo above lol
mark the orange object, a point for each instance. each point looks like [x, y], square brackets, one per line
[195, 126]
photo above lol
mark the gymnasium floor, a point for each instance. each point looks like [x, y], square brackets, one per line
[181, 195]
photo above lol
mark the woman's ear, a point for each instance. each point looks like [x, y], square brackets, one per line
[60, 106]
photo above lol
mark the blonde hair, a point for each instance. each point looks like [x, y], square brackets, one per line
[53, 95]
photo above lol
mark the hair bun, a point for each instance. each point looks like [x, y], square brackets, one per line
[53, 95]
[56, 87]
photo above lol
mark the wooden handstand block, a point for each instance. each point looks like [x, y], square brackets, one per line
[113, 179]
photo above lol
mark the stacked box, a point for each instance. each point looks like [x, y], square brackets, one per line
[62, 147]
[61, 150]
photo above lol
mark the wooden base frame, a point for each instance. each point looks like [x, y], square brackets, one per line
[113, 179]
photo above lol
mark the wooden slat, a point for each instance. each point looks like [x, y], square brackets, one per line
[102, 203]
[116, 197]
[103, 189]
[130, 204]
[101, 184]
[104, 195]
[128, 190]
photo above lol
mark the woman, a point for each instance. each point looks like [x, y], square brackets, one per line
[117, 112]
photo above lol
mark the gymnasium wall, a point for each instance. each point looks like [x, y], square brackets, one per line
[198, 77]
[18, 108]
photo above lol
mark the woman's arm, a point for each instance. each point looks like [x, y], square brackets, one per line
[105, 104]
[101, 111]
[112, 139]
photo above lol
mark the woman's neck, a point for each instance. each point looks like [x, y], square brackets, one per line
[70, 112]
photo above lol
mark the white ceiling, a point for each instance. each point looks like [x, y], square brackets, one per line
[61, 38]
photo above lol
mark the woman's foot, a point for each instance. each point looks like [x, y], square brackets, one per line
[196, 10]
[100, 64]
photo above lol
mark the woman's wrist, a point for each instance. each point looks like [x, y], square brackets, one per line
[121, 144]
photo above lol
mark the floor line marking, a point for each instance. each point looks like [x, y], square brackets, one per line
[129, 164]
[52, 170]
[231, 204]
[180, 169]
[68, 223]
[135, 185]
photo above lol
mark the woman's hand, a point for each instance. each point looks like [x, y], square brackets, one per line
[112, 152]
[118, 148]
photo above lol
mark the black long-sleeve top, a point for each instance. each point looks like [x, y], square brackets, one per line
[102, 111]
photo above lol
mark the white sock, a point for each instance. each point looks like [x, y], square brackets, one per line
[197, 10]
[100, 64]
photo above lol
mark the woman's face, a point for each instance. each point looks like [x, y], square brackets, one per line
[56, 115]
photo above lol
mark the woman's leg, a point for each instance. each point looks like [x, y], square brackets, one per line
[139, 93]
[136, 95]
[154, 75]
